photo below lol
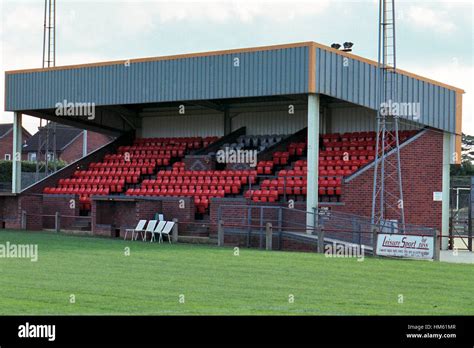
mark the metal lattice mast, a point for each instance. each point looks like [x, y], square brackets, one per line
[49, 60]
[387, 196]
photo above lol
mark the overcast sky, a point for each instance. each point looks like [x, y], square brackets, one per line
[434, 38]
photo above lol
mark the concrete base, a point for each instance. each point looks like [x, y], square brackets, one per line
[459, 256]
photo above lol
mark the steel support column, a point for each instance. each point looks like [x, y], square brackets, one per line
[313, 159]
[16, 158]
[84, 143]
[447, 156]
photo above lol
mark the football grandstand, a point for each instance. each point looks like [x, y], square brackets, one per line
[223, 146]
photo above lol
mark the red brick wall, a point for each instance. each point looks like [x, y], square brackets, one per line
[32, 205]
[422, 165]
[9, 210]
[62, 205]
[240, 240]
[6, 144]
[110, 215]
[74, 150]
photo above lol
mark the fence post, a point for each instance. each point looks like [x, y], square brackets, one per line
[23, 220]
[220, 234]
[280, 225]
[374, 240]
[175, 231]
[57, 222]
[437, 243]
[269, 236]
[320, 231]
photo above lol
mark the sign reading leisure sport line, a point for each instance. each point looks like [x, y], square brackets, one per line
[400, 245]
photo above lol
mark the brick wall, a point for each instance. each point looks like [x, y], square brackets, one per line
[74, 150]
[422, 162]
[108, 216]
[256, 241]
[10, 217]
[33, 206]
[65, 205]
[6, 143]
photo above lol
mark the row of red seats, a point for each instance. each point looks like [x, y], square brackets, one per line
[132, 163]
[293, 149]
[192, 181]
[121, 159]
[354, 136]
[192, 142]
[345, 154]
[265, 167]
[182, 172]
[112, 187]
[93, 181]
[322, 171]
[207, 173]
[297, 149]
[118, 170]
[363, 136]
[262, 195]
[228, 189]
[299, 186]
[341, 146]
[281, 158]
[339, 162]
[175, 192]
[151, 153]
[81, 190]
[179, 165]
[113, 172]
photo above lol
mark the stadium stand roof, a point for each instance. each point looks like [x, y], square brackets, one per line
[269, 71]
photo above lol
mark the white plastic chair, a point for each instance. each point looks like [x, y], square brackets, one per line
[167, 230]
[158, 229]
[138, 229]
[150, 227]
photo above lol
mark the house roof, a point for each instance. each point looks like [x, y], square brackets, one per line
[6, 128]
[64, 136]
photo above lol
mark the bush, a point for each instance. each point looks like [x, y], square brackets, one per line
[26, 166]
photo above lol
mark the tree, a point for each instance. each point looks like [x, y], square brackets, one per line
[466, 168]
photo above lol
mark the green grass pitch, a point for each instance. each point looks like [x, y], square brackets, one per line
[213, 281]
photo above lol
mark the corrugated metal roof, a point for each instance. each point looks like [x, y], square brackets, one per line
[354, 81]
[241, 74]
[298, 68]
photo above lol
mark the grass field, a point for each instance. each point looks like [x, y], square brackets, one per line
[214, 281]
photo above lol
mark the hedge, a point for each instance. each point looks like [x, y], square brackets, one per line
[26, 167]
